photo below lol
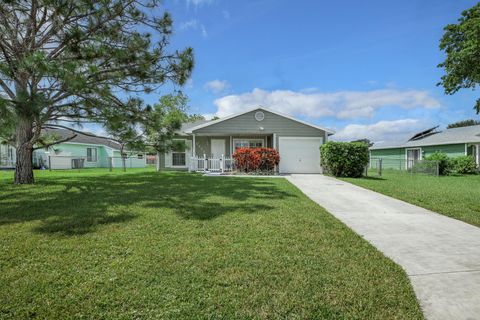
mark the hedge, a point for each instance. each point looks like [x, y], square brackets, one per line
[464, 165]
[457, 165]
[344, 159]
[445, 164]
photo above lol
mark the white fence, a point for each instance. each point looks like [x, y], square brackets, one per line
[204, 164]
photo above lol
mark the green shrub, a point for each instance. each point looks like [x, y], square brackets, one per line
[464, 165]
[445, 164]
[344, 159]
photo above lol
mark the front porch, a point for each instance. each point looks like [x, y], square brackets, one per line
[213, 153]
[213, 146]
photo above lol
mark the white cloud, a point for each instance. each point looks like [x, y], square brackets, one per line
[198, 3]
[217, 86]
[190, 24]
[390, 131]
[340, 104]
[194, 24]
[208, 116]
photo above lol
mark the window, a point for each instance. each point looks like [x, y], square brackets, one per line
[255, 143]
[140, 156]
[179, 158]
[91, 154]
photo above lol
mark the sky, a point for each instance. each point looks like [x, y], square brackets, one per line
[366, 69]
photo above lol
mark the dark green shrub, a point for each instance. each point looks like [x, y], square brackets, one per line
[464, 165]
[344, 159]
[445, 164]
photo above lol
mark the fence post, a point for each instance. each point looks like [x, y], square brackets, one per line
[380, 166]
[49, 163]
[110, 163]
[205, 162]
[437, 168]
[222, 163]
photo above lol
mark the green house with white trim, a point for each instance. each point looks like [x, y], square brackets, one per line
[83, 151]
[454, 142]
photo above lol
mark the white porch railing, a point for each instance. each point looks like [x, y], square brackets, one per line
[205, 164]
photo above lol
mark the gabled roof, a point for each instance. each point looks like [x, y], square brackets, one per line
[188, 125]
[83, 138]
[209, 123]
[470, 134]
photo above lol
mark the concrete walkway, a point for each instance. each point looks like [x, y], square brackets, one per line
[440, 255]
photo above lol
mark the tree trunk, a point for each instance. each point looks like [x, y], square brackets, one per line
[24, 146]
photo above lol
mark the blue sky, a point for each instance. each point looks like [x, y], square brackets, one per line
[362, 68]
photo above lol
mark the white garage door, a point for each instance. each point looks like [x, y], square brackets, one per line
[300, 154]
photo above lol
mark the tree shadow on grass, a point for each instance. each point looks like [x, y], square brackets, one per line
[79, 205]
[373, 178]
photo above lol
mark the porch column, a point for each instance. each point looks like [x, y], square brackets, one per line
[478, 154]
[274, 143]
[231, 146]
[193, 146]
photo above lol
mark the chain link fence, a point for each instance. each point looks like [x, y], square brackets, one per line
[378, 166]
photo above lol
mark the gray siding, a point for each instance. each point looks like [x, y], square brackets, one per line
[246, 124]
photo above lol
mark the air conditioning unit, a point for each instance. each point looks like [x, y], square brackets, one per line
[78, 163]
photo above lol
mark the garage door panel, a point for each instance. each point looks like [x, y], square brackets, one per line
[300, 154]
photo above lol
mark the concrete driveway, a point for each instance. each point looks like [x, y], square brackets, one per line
[440, 255]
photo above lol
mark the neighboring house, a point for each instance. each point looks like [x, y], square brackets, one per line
[297, 142]
[82, 151]
[453, 142]
[7, 156]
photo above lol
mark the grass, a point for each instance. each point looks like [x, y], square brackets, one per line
[454, 196]
[141, 244]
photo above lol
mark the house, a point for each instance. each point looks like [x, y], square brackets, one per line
[453, 142]
[83, 151]
[213, 142]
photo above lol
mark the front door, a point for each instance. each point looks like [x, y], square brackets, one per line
[413, 155]
[218, 148]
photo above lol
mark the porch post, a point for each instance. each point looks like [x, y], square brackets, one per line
[274, 144]
[478, 155]
[193, 146]
[231, 146]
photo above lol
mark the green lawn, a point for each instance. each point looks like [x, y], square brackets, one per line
[454, 196]
[142, 244]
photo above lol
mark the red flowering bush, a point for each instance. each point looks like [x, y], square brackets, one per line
[256, 159]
